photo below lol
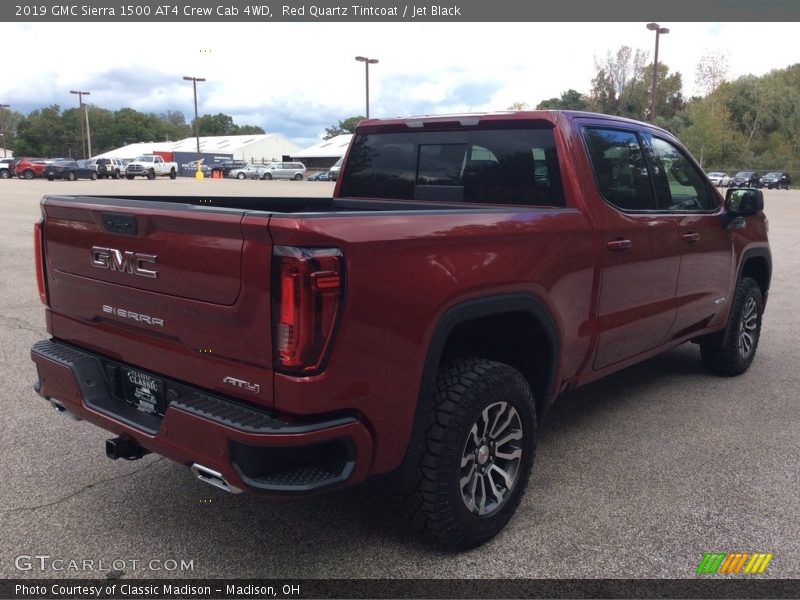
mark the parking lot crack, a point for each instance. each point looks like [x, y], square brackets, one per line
[18, 324]
[80, 490]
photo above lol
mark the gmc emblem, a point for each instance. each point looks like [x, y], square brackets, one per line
[123, 261]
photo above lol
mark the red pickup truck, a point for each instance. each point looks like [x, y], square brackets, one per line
[467, 271]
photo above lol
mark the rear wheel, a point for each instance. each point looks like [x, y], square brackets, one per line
[298, 177]
[93, 176]
[69, 176]
[4, 174]
[172, 174]
[240, 176]
[731, 351]
[28, 174]
[115, 175]
[267, 176]
[480, 446]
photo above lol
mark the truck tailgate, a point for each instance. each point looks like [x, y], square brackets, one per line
[175, 279]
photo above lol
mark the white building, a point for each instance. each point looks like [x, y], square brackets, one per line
[252, 148]
[325, 153]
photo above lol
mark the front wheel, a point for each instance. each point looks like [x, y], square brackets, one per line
[267, 177]
[93, 176]
[129, 176]
[480, 446]
[70, 176]
[732, 350]
[151, 174]
[28, 174]
[240, 176]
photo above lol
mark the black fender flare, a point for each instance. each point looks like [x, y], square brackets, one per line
[467, 311]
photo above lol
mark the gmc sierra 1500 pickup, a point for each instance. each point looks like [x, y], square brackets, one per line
[467, 271]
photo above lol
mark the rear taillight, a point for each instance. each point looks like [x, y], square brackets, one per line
[308, 287]
[38, 247]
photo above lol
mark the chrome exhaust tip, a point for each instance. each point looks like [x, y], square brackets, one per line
[214, 478]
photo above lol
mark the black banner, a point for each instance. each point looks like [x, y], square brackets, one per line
[266, 11]
[191, 589]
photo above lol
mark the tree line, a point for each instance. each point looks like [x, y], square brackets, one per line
[50, 131]
[748, 123]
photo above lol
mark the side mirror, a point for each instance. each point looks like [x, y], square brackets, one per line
[743, 202]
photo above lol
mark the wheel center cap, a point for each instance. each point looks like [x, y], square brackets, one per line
[483, 454]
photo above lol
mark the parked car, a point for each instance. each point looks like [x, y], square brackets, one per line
[748, 179]
[109, 167]
[69, 170]
[333, 173]
[719, 179]
[777, 180]
[249, 172]
[321, 176]
[285, 170]
[226, 166]
[28, 168]
[5, 167]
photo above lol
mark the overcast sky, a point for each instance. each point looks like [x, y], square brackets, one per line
[298, 78]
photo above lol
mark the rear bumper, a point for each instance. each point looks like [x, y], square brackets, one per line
[251, 448]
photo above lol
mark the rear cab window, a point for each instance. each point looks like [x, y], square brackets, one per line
[516, 166]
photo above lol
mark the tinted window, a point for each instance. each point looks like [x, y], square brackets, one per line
[620, 168]
[504, 166]
[679, 186]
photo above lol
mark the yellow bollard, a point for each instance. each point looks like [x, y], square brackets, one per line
[199, 175]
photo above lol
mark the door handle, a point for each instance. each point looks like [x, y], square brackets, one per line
[690, 237]
[618, 245]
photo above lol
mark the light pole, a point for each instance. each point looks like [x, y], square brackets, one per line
[659, 30]
[85, 111]
[3, 128]
[194, 80]
[367, 62]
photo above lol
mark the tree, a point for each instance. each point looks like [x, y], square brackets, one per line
[569, 100]
[712, 71]
[346, 126]
[221, 124]
[519, 106]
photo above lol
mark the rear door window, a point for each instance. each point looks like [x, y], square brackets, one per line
[620, 168]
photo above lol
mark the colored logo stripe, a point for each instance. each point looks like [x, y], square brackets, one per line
[721, 562]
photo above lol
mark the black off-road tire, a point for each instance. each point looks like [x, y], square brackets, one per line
[151, 174]
[437, 503]
[732, 350]
[129, 177]
[172, 174]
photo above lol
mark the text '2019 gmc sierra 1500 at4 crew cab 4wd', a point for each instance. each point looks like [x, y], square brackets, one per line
[467, 270]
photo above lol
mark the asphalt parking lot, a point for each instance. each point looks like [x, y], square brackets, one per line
[637, 475]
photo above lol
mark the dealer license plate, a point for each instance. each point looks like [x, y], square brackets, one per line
[144, 391]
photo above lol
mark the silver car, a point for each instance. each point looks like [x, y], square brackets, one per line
[719, 179]
[285, 170]
[249, 172]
